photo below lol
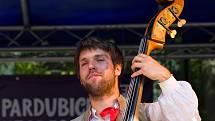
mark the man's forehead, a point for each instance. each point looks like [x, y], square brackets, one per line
[93, 53]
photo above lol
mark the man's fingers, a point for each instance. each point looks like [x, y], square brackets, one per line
[136, 66]
[139, 72]
[139, 58]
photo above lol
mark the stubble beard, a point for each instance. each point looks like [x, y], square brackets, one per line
[104, 87]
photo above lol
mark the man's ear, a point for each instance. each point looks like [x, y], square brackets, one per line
[118, 69]
[81, 82]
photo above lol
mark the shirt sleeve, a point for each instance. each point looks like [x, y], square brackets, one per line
[177, 102]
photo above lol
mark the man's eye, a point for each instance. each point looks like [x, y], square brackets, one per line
[100, 59]
[83, 64]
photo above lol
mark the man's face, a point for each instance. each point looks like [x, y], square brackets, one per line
[97, 72]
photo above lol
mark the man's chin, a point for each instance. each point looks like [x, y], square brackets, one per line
[95, 92]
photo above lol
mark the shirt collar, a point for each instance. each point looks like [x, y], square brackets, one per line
[93, 115]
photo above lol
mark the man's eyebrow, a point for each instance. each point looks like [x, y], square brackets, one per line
[96, 56]
[83, 59]
[102, 55]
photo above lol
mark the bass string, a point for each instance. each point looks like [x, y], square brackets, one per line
[133, 83]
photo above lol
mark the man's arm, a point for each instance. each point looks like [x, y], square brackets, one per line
[177, 102]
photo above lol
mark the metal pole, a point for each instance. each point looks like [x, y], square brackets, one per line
[25, 15]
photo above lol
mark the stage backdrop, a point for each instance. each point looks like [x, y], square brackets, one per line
[46, 98]
[41, 98]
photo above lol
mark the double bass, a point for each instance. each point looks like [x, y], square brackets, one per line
[154, 38]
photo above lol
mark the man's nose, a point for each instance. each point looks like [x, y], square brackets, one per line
[91, 65]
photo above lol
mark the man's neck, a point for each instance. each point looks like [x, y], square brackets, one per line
[103, 102]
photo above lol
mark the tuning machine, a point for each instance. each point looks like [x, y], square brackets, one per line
[172, 33]
[163, 22]
[174, 11]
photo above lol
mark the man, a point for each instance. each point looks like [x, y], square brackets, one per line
[99, 64]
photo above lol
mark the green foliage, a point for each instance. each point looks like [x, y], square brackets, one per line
[203, 82]
[37, 68]
[6, 68]
[28, 68]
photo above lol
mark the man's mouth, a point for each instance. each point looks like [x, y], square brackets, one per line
[91, 75]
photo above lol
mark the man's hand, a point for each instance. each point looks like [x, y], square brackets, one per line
[149, 67]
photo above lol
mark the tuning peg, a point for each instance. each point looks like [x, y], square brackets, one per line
[174, 11]
[172, 33]
[181, 22]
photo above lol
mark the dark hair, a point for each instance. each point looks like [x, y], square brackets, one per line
[97, 43]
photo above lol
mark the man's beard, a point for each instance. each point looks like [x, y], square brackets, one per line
[102, 88]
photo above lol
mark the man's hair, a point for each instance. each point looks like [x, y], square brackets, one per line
[97, 43]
